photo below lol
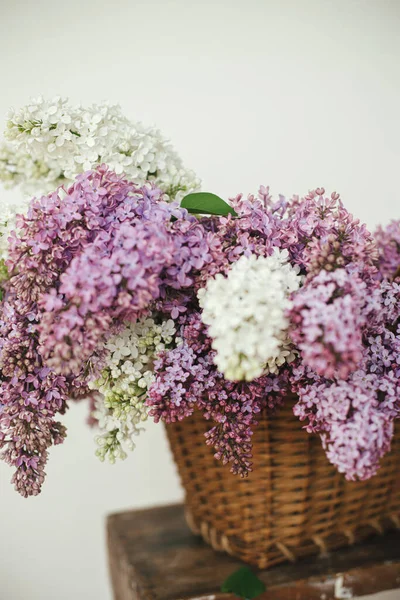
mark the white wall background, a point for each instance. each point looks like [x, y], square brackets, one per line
[294, 94]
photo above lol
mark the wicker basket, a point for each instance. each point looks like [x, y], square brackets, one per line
[293, 504]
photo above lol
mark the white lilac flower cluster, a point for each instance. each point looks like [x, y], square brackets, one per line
[245, 312]
[8, 215]
[20, 169]
[49, 142]
[123, 384]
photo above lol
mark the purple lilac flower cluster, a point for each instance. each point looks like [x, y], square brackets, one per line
[348, 375]
[322, 235]
[388, 240]
[328, 318]
[84, 260]
[344, 323]
[187, 379]
[90, 259]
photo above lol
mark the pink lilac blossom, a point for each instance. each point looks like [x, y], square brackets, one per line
[327, 322]
[388, 240]
[354, 429]
[321, 234]
[114, 280]
[354, 416]
[383, 334]
[255, 230]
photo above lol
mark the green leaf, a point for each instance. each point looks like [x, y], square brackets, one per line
[206, 204]
[243, 583]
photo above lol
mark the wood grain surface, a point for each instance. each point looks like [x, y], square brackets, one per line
[154, 556]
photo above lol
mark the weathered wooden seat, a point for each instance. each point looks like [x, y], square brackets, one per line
[154, 556]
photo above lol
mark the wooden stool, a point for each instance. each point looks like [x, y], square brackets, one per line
[154, 556]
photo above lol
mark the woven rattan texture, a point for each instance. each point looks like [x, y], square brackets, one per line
[293, 504]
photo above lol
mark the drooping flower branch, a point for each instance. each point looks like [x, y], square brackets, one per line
[124, 382]
[186, 378]
[82, 263]
[355, 414]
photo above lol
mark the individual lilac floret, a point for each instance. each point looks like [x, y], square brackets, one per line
[388, 240]
[328, 318]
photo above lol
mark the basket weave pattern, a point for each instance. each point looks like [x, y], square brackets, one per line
[293, 504]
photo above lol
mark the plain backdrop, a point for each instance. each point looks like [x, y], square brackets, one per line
[291, 94]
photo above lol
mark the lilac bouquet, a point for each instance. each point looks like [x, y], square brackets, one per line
[149, 305]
